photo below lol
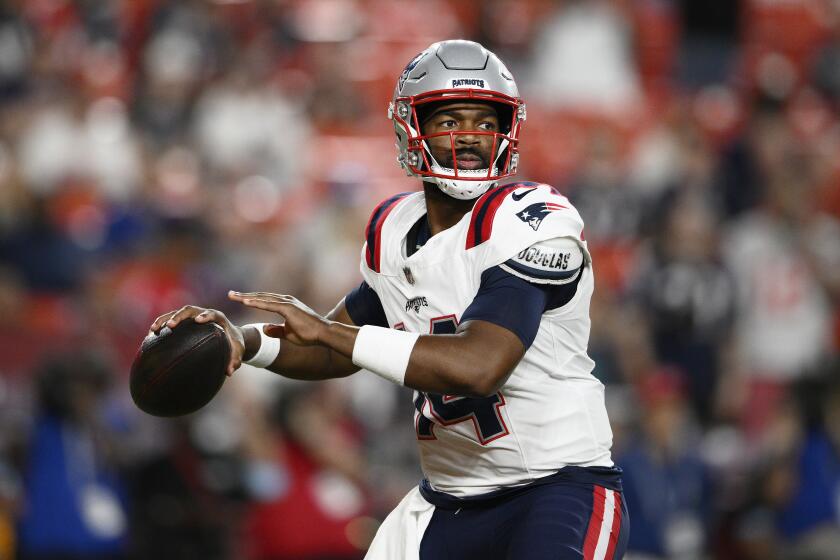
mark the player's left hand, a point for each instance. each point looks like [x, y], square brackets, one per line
[302, 325]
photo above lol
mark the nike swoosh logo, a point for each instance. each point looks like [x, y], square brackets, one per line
[520, 195]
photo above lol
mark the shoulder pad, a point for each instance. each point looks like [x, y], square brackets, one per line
[373, 230]
[555, 261]
[511, 218]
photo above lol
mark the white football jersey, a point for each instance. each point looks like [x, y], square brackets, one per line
[550, 413]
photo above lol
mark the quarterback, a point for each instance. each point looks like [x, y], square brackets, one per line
[476, 295]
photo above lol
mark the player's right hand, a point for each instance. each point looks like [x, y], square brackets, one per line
[235, 336]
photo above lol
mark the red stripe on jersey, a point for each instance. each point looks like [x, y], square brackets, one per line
[599, 498]
[616, 526]
[374, 227]
[369, 251]
[490, 214]
[483, 213]
[378, 244]
[475, 210]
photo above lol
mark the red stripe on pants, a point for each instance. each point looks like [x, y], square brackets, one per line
[599, 498]
[616, 526]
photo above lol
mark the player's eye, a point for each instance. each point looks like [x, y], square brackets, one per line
[487, 125]
[448, 123]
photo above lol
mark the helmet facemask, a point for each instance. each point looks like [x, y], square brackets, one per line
[416, 156]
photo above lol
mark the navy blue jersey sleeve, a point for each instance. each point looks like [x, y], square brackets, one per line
[516, 304]
[364, 307]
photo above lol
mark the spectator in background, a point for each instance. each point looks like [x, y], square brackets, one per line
[69, 139]
[689, 298]
[809, 472]
[74, 505]
[666, 484]
[746, 164]
[184, 494]
[308, 478]
[15, 56]
[785, 257]
[601, 194]
[708, 41]
[41, 254]
[174, 60]
[245, 125]
[582, 60]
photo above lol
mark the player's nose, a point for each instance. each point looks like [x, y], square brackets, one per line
[467, 138]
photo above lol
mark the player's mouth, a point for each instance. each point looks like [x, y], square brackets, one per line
[470, 161]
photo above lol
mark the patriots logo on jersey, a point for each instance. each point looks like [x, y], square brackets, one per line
[534, 214]
[416, 304]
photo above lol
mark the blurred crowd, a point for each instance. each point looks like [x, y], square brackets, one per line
[155, 153]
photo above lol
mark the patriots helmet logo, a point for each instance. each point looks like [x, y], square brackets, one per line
[409, 67]
[534, 214]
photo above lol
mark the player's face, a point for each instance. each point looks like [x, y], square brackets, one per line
[472, 151]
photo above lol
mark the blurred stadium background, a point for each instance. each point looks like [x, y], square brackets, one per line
[155, 153]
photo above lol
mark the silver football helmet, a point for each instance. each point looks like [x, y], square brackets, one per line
[451, 71]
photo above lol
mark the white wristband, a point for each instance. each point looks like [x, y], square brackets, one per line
[383, 351]
[268, 350]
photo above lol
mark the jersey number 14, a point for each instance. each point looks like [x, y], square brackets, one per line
[448, 410]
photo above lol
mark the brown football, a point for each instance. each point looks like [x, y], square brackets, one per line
[177, 371]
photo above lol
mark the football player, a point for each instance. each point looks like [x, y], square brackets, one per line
[476, 295]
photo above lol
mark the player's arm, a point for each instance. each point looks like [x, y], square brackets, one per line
[494, 334]
[361, 306]
[474, 361]
[293, 360]
[304, 362]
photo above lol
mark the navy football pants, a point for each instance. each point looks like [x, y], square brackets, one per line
[559, 521]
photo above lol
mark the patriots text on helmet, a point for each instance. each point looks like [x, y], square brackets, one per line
[461, 82]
